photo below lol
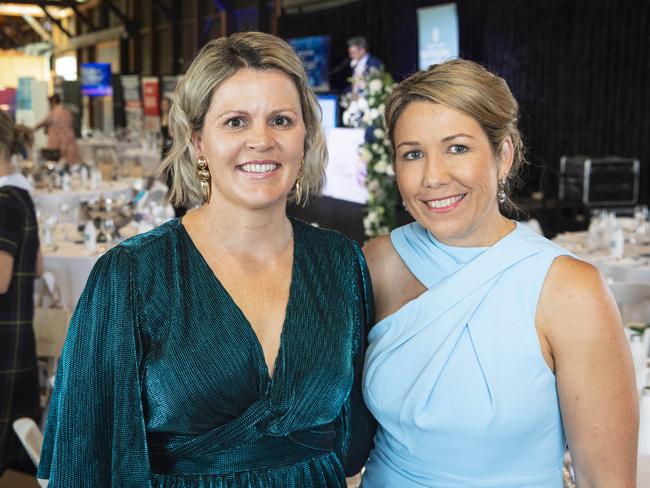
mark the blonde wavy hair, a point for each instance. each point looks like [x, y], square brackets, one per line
[13, 137]
[471, 89]
[217, 61]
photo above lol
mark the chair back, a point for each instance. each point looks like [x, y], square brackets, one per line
[31, 438]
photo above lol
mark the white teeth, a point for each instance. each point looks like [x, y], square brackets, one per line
[259, 168]
[446, 202]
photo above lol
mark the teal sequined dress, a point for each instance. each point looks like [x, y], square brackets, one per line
[163, 382]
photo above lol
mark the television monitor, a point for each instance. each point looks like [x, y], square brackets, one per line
[96, 79]
[329, 105]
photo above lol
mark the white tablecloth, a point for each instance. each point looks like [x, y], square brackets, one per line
[643, 472]
[71, 265]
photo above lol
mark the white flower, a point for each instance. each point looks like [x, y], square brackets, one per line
[346, 117]
[378, 133]
[375, 86]
[390, 171]
[362, 104]
[374, 113]
[372, 185]
[381, 166]
[371, 218]
[365, 154]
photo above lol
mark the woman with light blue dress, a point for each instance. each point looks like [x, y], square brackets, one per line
[494, 349]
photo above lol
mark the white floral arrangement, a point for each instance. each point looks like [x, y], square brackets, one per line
[379, 213]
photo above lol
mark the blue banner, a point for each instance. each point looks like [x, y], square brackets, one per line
[437, 34]
[24, 94]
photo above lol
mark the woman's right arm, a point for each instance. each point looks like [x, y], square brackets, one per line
[95, 433]
[43, 123]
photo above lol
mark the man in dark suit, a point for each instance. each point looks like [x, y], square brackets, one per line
[361, 62]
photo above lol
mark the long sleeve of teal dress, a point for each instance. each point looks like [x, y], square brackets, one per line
[358, 426]
[163, 383]
[95, 433]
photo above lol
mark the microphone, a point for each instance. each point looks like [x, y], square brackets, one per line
[339, 67]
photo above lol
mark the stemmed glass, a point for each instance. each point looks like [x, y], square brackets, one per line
[641, 223]
[66, 219]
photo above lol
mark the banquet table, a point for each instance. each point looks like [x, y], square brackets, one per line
[634, 266]
[52, 201]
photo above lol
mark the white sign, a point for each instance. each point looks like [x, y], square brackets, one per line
[346, 171]
[437, 34]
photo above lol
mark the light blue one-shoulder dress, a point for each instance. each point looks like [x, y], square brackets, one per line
[456, 377]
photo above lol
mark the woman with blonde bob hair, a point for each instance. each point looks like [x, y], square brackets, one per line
[493, 347]
[226, 348]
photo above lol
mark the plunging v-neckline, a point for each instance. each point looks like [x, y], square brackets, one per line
[259, 350]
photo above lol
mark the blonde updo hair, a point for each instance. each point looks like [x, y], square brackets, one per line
[217, 61]
[13, 137]
[471, 89]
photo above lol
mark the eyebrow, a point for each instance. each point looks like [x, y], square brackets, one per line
[407, 143]
[444, 139]
[243, 112]
[455, 136]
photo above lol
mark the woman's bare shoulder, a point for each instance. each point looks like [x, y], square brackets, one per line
[381, 255]
[392, 281]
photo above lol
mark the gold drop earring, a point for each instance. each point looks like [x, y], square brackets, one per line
[299, 181]
[203, 173]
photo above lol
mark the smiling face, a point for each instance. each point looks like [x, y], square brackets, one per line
[447, 174]
[253, 138]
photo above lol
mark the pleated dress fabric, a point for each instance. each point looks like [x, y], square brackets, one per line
[19, 394]
[163, 382]
[456, 377]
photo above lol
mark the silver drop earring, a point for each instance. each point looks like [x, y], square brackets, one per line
[502, 196]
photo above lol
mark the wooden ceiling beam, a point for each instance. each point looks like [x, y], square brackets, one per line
[73, 5]
[48, 3]
[55, 20]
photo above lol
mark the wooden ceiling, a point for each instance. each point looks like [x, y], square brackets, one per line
[16, 30]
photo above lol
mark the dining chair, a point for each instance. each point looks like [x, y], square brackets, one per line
[31, 438]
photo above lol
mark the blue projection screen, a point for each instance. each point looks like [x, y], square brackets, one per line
[437, 34]
[314, 52]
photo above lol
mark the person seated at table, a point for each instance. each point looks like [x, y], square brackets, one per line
[20, 263]
[492, 342]
[226, 348]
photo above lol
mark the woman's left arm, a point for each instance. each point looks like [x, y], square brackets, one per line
[40, 264]
[580, 327]
[10, 230]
